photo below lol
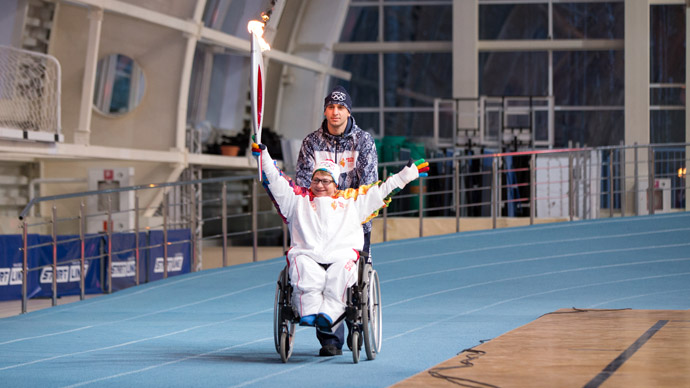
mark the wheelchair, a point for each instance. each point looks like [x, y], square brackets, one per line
[362, 313]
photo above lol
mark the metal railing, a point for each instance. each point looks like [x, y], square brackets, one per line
[179, 209]
[551, 185]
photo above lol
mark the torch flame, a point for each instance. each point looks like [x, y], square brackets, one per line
[257, 28]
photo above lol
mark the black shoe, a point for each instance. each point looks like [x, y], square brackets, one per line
[330, 351]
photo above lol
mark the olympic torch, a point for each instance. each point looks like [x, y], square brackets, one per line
[258, 79]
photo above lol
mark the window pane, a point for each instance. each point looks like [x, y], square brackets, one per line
[588, 20]
[418, 1]
[667, 126]
[361, 25]
[232, 17]
[364, 85]
[368, 121]
[513, 74]
[588, 78]
[667, 96]
[591, 128]
[416, 79]
[409, 124]
[415, 23]
[667, 41]
[519, 21]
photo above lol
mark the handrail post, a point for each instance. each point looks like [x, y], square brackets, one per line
[611, 191]
[136, 239]
[109, 233]
[25, 264]
[494, 189]
[532, 188]
[82, 243]
[385, 210]
[255, 219]
[285, 236]
[421, 207]
[165, 234]
[636, 181]
[54, 232]
[456, 193]
[621, 169]
[192, 229]
[571, 186]
[650, 184]
[224, 220]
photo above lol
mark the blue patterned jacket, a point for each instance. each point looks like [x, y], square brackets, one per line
[354, 151]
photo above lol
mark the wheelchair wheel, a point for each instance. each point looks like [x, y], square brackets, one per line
[283, 326]
[285, 348]
[372, 317]
[355, 347]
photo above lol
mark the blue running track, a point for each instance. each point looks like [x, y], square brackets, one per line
[441, 295]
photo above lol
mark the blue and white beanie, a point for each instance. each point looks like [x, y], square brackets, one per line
[338, 96]
[328, 166]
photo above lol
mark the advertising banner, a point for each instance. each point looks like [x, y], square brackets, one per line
[179, 253]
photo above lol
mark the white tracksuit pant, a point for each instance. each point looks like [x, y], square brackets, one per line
[318, 290]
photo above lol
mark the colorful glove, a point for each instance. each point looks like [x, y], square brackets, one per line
[422, 167]
[414, 170]
[257, 148]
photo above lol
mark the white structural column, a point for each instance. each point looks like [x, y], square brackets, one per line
[192, 39]
[466, 59]
[83, 133]
[637, 93]
[319, 29]
[637, 72]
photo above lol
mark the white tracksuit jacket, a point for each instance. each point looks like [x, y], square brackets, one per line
[326, 230]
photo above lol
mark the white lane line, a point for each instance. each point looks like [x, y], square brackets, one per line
[507, 246]
[418, 275]
[190, 358]
[144, 289]
[138, 316]
[536, 275]
[529, 296]
[532, 228]
[120, 345]
[636, 297]
[282, 372]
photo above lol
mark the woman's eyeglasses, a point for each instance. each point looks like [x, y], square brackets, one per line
[324, 182]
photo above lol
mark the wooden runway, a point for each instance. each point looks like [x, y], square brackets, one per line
[576, 348]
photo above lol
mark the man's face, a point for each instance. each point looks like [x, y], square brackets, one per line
[322, 184]
[337, 116]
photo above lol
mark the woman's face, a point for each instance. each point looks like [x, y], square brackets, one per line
[322, 184]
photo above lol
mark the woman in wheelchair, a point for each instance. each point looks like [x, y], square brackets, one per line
[325, 226]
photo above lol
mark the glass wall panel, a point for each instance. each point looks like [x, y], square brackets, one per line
[412, 80]
[418, 23]
[231, 16]
[361, 25]
[667, 126]
[667, 41]
[588, 20]
[364, 85]
[513, 74]
[410, 124]
[591, 128]
[588, 78]
[513, 21]
[667, 52]
[368, 121]
[667, 96]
